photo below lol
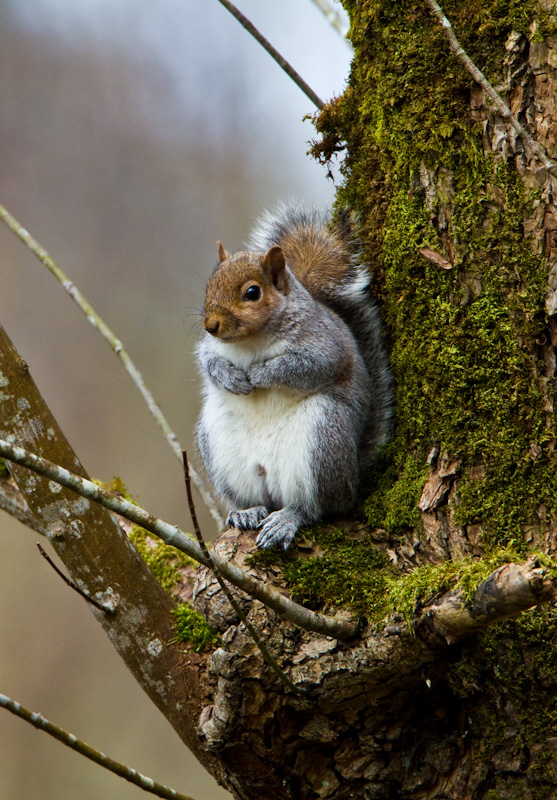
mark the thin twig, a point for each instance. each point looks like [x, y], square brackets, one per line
[116, 346]
[333, 17]
[337, 627]
[529, 142]
[282, 62]
[145, 783]
[265, 652]
[74, 586]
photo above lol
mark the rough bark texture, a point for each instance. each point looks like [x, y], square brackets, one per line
[459, 225]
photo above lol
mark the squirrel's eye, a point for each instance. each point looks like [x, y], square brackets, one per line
[252, 293]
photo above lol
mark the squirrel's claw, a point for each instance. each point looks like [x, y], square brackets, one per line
[279, 529]
[248, 519]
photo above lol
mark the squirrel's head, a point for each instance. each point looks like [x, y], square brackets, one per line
[244, 292]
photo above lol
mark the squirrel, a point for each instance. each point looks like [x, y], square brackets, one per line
[296, 383]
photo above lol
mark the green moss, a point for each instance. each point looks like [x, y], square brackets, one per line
[465, 343]
[464, 353]
[4, 471]
[350, 571]
[117, 486]
[397, 479]
[405, 593]
[192, 629]
[347, 573]
[465, 379]
[410, 591]
[163, 560]
[166, 563]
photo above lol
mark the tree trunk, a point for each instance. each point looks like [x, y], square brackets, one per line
[458, 224]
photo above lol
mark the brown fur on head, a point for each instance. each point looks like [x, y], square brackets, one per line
[243, 292]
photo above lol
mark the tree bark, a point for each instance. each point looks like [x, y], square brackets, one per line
[458, 223]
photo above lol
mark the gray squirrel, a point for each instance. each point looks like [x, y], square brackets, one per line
[296, 385]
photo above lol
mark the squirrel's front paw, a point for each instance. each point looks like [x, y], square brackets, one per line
[248, 519]
[279, 529]
[259, 375]
[226, 376]
[236, 381]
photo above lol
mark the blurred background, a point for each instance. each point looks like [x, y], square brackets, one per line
[133, 135]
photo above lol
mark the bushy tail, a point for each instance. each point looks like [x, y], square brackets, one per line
[325, 257]
[357, 306]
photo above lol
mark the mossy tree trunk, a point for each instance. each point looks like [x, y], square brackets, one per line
[460, 229]
[430, 166]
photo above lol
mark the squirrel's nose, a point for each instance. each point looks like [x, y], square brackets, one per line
[211, 325]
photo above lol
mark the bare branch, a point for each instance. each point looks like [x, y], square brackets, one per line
[108, 609]
[529, 142]
[508, 591]
[131, 775]
[335, 627]
[282, 62]
[116, 346]
[333, 17]
[265, 652]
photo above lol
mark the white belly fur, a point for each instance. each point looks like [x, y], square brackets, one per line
[261, 444]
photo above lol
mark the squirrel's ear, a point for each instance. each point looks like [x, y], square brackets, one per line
[223, 255]
[274, 264]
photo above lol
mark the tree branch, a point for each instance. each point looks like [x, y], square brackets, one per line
[334, 627]
[116, 345]
[507, 592]
[281, 61]
[145, 783]
[107, 608]
[99, 558]
[529, 142]
[333, 17]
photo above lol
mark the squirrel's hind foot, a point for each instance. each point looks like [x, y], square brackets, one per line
[248, 519]
[279, 529]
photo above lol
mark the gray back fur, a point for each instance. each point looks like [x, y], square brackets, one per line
[352, 300]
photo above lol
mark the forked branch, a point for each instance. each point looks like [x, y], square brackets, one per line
[508, 591]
